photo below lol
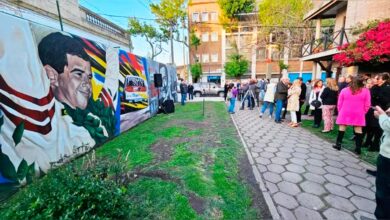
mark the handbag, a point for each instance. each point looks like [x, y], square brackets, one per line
[316, 103]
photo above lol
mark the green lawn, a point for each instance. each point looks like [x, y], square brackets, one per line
[178, 166]
[367, 156]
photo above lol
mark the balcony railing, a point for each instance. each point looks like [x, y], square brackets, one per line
[328, 41]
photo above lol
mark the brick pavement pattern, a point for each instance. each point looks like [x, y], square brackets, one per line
[302, 174]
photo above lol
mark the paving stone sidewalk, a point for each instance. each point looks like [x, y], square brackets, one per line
[301, 175]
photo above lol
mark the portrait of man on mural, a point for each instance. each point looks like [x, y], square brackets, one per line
[68, 68]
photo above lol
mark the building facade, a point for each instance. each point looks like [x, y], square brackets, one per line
[203, 19]
[218, 43]
[76, 19]
[347, 14]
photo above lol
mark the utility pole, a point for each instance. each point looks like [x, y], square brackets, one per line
[172, 55]
[59, 14]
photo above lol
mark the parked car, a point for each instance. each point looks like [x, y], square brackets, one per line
[204, 88]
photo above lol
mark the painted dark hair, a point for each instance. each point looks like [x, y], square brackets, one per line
[54, 47]
[385, 77]
[356, 84]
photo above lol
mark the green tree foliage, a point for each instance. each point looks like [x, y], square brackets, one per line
[154, 37]
[194, 40]
[169, 14]
[286, 13]
[196, 70]
[236, 66]
[231, 8]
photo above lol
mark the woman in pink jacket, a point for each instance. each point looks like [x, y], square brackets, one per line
[353, 104]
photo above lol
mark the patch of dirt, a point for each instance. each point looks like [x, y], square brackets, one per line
[162, 150]
[129, 177]
[197, 203]
[258, 201]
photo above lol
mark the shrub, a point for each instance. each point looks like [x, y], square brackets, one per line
[69, 193]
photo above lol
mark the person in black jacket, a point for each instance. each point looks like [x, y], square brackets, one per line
[302, 98]
[183, 91]
[329, 102]
[280, 98]
[190, 92]
[225, 90]
[372, 128]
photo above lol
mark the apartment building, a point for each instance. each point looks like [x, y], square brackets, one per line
[203, 16]
[346, 14]
[217, 44]
[76, 19]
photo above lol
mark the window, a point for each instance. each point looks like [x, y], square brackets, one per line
[213, 16]
[197, 57]
[214, 57]
[214, 36]
[195, 17]
[205, 37]
[205, 16]
[205, 58]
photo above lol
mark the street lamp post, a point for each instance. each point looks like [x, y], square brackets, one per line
[59, 15]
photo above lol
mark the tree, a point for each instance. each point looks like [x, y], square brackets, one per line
[151, 35]
[282, 17]
[196, 70]
[236, 66]
[170, 14]
[231, 8]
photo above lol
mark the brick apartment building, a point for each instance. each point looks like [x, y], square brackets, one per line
[217, 44]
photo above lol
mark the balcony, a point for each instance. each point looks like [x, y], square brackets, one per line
[324, 47]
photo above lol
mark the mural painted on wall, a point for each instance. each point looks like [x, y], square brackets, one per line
[61, 95]
[169, 87]
[134, 97]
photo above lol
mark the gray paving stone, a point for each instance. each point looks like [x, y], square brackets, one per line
[364, 215]
[336, 179]
[316, 151]
[257, 149]
[286, 214]
[280, 161]
[271, 149]
[363, 204]
[263, 161]
[272, 188]
[261, 168]
[301, 150]
[316, 162]
[358, 181]
[276, 168]
[295, 168]
[350, 158]
[362, 191]
[334, 163]
[334, 214]
[316, 156]
[289, 188]
[335, 170]
[300, 155]
[314, 178]
[291, 177]
[285, 200]
[286, 149]
[310, 201]
[298, 161]
[351, 164]
[340, 203]
[355, 172]
[338, 190]
[315, 169]
[305, 213]
[272, 177]
[267, 154]
[283, 155]
[313, 188]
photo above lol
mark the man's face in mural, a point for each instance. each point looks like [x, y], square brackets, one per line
[74, 84]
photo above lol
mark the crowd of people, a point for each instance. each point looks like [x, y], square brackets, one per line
[361, 102]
